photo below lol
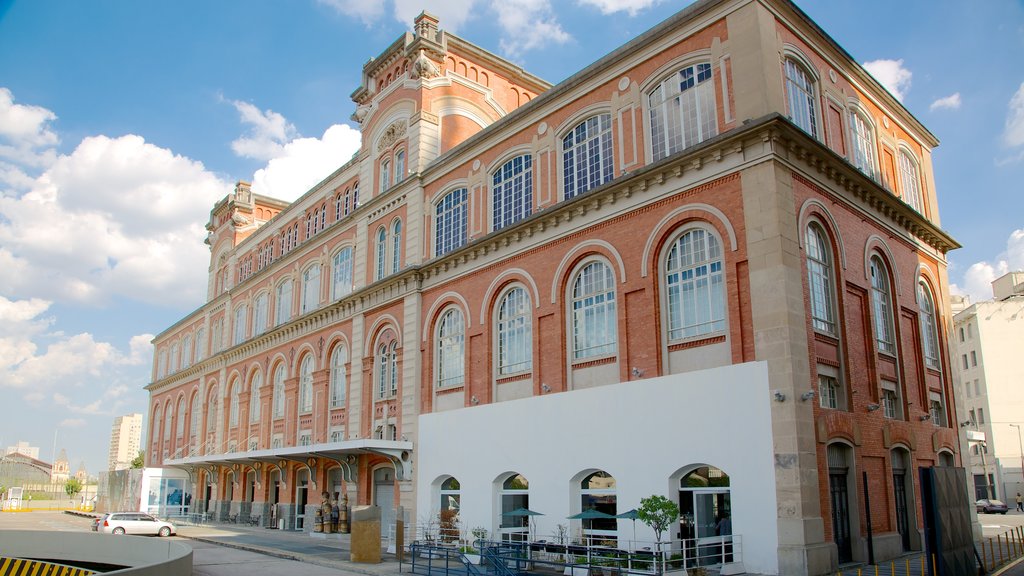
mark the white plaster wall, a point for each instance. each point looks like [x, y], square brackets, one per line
[640, 432]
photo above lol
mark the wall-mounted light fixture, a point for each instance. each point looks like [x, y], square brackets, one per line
[924, 417]
[778, 396]
[636, 372]
[872, 407]
[474, 400]
[545, 388]
[807, 395]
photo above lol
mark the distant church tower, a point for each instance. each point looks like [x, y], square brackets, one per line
[61, 469]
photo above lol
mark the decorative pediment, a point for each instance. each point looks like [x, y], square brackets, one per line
[391, 135]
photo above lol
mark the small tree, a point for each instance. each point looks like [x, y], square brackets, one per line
[658, 512]
[73, 486]
[140, 460]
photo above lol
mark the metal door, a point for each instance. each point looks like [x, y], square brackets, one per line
[902, 518]
[841, 516]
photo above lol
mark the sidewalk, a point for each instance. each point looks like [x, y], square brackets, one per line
[327, 550]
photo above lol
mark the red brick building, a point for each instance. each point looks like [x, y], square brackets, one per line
[726, 222]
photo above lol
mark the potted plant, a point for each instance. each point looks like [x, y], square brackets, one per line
[469, 551]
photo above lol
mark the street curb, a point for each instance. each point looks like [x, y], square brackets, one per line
[1006, 568]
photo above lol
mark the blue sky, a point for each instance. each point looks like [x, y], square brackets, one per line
[122, 122]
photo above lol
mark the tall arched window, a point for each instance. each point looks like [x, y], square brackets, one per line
[396, 246]
[339, 357]
[683, 110]
[451, 494]
[820, 280]
[387, 366]
[212, 412]
[515, 352]
[695, 286]
[311, 288]
[161, 364]
[259, 314]
[587, 155]
[594, 320]
[512, 191]
[181, 418]
[705, 504]
[385, 175]
[399, 166]
[235, 393]
[283, 302]
[342, 273]
[241, 315]
[200, 344]
[450, 222]
[864, 148]
[514, 494]
[195, 417]
[929, 327]
[254, 398]
[597, 492]
[306, 385]
[168, 421]
[800, 98]
[881, 306]
[382, 252]
[451, 349]
[279, 391]
[186, 352]
[155, 432]
[174, 361]
[910, 180]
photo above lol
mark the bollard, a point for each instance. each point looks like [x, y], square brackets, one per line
[907, 571]
[999, 546]
[876, 569]
[933, 565]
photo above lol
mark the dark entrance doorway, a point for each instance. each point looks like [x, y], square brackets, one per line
[839, 492]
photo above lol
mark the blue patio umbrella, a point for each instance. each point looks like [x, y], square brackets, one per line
[524, 512]
[630, 515]
[590, 514]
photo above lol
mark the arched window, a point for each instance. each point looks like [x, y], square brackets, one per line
[451, 349]
[155, 432]
[168, 421]
[705, 504]
[186, 352]
[311, 288]
[195, 417]
[306, 385]
[695, 286]
[254, 398]
[396, 246]
[339, 357]
[382, 252]
[881, 306]
[259, 314]
[587, 155]
[514, 495]
[212, 412]
[241, 314]
[181, 418]
[161, 365]
[284, 302]
[820, 280]
[594, 319]
[174, 361]
[450, 222]
[399, 166]
[342, 277]
[597, 492]
[929, 327]
[233, 414]
[683, 110]
[864, 148]
[451, 495]
[515, 352]
[279, 391]
[800, 98]
[385, 175]
[910, 180]
[387, 368]
[200, 344]
[512, 191]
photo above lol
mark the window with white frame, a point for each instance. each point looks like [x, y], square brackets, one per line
[451, 349]
[217, 334]
[305, 438]
[233, 413]
[180, 429]
[341, 279]
[186, 353]
[382, 252]
[339, 357]
[311, 288]
[260, 308]
[241, 315]
[396, 246]
[512, 191]
[587, 155]
[935, 409]
[451, 494]
[597, 492]
[337, 435]
[515, 348]
[155, 432]
[399, 166]
[168, 421]
[277, 441]
[594, 321]
[695, 286]
[820, 279]
[387, 369]
[929, 327]
[161, 365]
[881, 306]
[450, 220]
[683, 110]
[278, 399]
[800, 97]
[213, 412]
[910, 180]
[864, 149]
[200, 344]
[254, 397]
[283, 302]
[306, 385]
[514, 494]
[385, 175]
[196, 417]
[830, 391]
[174, 359]
[891, 404]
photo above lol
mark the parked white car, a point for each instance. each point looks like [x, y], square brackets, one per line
[133, 523]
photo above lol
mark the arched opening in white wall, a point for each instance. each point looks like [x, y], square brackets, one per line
[514, 495]
[705, 516]
[451, 494]
[597, 493]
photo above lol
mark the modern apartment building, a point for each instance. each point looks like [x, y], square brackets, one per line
[988, 340]
[125, 441]
[707, 266]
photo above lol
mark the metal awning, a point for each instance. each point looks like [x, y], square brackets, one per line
[399, 453]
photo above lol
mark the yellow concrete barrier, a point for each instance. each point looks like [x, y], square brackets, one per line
[18, 567]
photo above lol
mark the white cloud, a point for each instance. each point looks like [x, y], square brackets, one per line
[452, 14]
[892, 75]
[368, 12]
[1014, 134]
[72, 423]
[951, 102]
[304, 162]
[632, 7]
[24, 130]
[977, 280]
[268, 132]
[528, 25]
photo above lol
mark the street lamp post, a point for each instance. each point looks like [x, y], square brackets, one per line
[1021, 448]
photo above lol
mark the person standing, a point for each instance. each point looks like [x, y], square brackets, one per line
[1020, 503]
